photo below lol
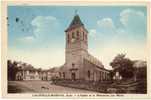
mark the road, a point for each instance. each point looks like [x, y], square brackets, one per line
[41, 87]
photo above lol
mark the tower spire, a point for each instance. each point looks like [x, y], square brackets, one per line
[76, 22]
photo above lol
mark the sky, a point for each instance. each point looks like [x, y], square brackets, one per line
[36, 33]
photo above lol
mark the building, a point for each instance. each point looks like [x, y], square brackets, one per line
[79, 63]
[47, 75]
[140, 70]
[25, 71]
[54, 72]
[28, 72]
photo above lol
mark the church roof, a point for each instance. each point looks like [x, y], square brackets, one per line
[96, 65]
[76, 22]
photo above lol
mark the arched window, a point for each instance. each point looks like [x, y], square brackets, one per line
[64, 75]
[77, 34]
[60, 74]
[100, 76]
[89, 74]
[73, 64]
[73, 35]
[83, 36]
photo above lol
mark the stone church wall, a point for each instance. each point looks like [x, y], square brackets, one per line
[94, 73]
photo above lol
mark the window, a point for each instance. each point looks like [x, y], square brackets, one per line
[77, 34]
[100, 75]
[73, 35]
[83, 35]
[60, 74]
[73, 64]
[73, 76]
[64, 75]
[89, 74]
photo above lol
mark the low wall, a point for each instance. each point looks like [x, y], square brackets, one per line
[88, 85]
[106, 86]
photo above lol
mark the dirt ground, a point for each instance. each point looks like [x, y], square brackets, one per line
[40, 87]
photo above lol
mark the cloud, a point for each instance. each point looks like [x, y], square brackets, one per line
[27, 39]
[106, 23]
[129, 14]
[92, 32]
[106, 26]
[44, 26]
[132, 20]
[132, 26]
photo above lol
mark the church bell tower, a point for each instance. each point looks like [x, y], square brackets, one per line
[76, 48]
[76, 39]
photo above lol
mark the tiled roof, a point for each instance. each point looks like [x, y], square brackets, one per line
[95, 65]
[76, 22]
[94, 60]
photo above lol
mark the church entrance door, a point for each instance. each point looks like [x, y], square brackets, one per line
[73, 76]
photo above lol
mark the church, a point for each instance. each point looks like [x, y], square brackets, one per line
[79, 63]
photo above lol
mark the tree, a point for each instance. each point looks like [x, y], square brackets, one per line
[123, 65]
[12, 69]
[9, 68]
